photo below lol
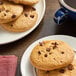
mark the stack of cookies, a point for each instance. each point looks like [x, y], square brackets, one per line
[18, 15]
[53, 58]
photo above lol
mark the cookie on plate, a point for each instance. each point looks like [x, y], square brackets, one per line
[70, 70]
[26, 2]
[25, 22]
[9, 11]
[52, 54]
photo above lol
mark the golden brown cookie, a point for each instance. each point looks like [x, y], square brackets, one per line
[25, 22]
[70, 70]
[52, 54]
[9, 11]
[25, 2]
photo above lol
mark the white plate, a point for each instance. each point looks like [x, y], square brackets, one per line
[7, 37]
[26, 67]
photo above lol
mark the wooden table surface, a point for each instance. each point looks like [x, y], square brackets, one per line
[46, 27]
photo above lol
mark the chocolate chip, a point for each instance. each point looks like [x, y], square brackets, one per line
[62, 70]
[50, 53]
[70, 67]
[47, 71]
[33, 8]
[13, 16]
[7, 10]
[26, 15]
[0, 10]
[40, 43]
[32, 16]
[54, 47]
[39, 52]
[54, 58]
[62, 52]
[1, 2]
[61, 61]
[4, 14]
[48, 49]
[11, 25]
[45, 55]
[55, 43]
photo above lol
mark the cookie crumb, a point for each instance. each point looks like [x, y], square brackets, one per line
[70, 67]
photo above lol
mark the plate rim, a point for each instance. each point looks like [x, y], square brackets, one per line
[43, 38]
[32, 29]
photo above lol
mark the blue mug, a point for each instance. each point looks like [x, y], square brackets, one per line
[64, 13]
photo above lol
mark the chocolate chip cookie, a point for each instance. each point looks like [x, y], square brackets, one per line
[25, 22]
[25, 2]
[69, 70]
[52, 54]
[9, 11]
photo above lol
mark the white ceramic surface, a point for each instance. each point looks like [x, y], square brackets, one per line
[26, 67]
[7, 37]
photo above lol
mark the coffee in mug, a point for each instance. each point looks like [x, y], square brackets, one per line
[71, 3]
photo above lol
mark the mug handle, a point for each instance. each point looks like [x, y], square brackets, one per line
[60, 16]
